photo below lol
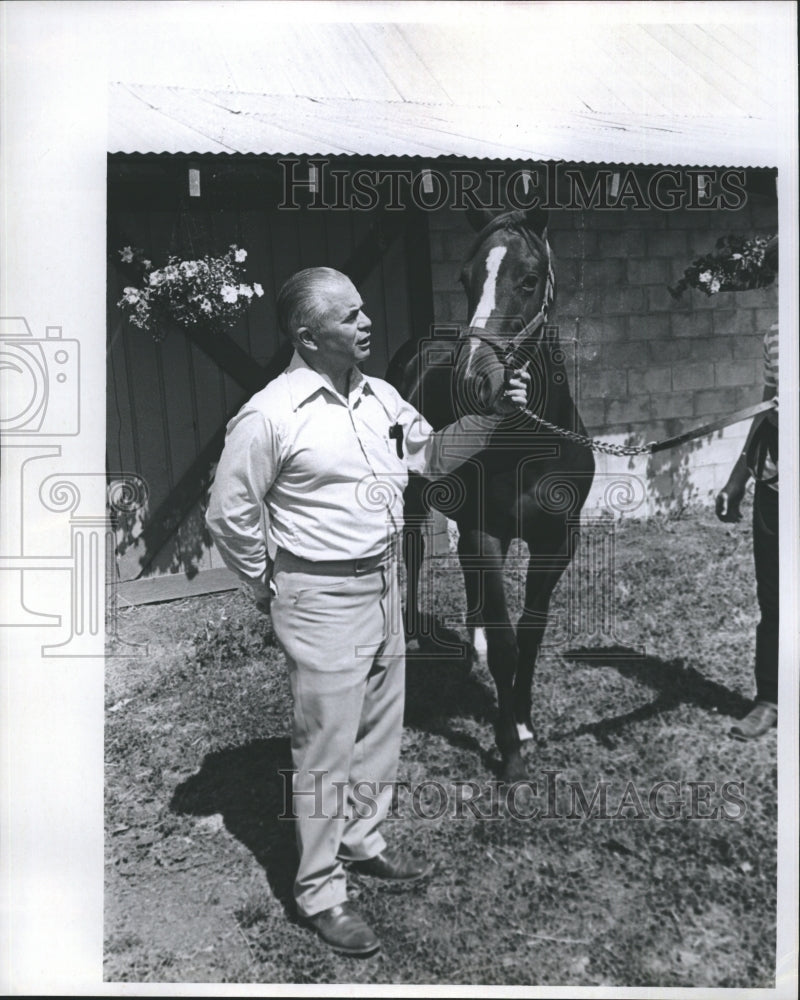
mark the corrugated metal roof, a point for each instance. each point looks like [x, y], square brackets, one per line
[638, 93]
[174, 120]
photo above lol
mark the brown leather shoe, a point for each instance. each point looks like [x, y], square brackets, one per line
[342, 928]
[393, 865]
[761, 718]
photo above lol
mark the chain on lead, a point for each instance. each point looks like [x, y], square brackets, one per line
[593, 443]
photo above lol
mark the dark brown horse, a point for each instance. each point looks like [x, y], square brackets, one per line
[529, 483]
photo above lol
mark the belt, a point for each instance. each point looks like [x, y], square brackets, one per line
[335, 567]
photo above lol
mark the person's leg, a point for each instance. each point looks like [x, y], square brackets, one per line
[763, 715]
[373, 769]
[320, 621]
[766, 552]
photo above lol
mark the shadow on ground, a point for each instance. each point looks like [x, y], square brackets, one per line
[246, 786]
[439, 686]
[675, 684]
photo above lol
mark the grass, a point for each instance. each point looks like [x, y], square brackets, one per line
[199, 867]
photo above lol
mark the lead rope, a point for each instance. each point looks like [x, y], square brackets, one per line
[608, 448]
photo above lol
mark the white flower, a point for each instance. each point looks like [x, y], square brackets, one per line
[156, 277]
[147, 264]
[131, 294]
[229, 293]
[736, 256]
[258, 289]
[240, 256]
[205, 305]
[171, 272]
[246, 291]
[189, 268]
[715, 286]
[126, 253]
[705, 277]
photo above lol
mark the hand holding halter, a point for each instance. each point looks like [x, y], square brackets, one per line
[516, 392]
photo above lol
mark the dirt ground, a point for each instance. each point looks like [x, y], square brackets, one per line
[672, 887]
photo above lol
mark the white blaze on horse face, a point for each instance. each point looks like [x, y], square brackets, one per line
[488, 300]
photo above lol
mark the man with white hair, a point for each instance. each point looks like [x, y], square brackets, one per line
[328, 451]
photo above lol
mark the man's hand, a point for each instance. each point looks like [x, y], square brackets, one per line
[728, 503]
[516, 393]
[262, 594]
[263, 604]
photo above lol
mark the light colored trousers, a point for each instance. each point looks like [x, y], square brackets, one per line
[343, 640]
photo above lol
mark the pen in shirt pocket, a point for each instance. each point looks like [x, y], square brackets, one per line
[396, 435]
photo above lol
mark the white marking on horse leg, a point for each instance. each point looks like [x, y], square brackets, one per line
[488, 299]
[477, 639]
[523, 732]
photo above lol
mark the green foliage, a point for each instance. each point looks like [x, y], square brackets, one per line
[238, 633]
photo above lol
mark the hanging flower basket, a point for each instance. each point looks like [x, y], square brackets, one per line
[208, 292]
[734, 265]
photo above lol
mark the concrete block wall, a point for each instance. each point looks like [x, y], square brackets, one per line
[644, 366]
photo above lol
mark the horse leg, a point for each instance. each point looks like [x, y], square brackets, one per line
[482, 562]
[414, 517]
[551, 549]
[413, 554]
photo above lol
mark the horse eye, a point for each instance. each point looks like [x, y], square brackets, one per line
[530, 283]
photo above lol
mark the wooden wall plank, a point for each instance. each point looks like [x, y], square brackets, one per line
[264, 336]
[314, 250]
[146, 403]
[121, 449]
[175, 587]
[396, 306]
[177, 398]
[373, 293]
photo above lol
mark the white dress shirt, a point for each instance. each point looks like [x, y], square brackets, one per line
[326, 468]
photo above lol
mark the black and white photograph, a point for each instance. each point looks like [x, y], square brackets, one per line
[396, 594]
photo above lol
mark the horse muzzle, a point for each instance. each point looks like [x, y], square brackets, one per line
[480, 377]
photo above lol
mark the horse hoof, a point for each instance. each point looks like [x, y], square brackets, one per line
[514, 770]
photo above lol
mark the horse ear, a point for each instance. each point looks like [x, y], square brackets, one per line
[536, 218]
[478, 218]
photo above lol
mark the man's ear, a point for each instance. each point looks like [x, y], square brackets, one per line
[306, 338]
